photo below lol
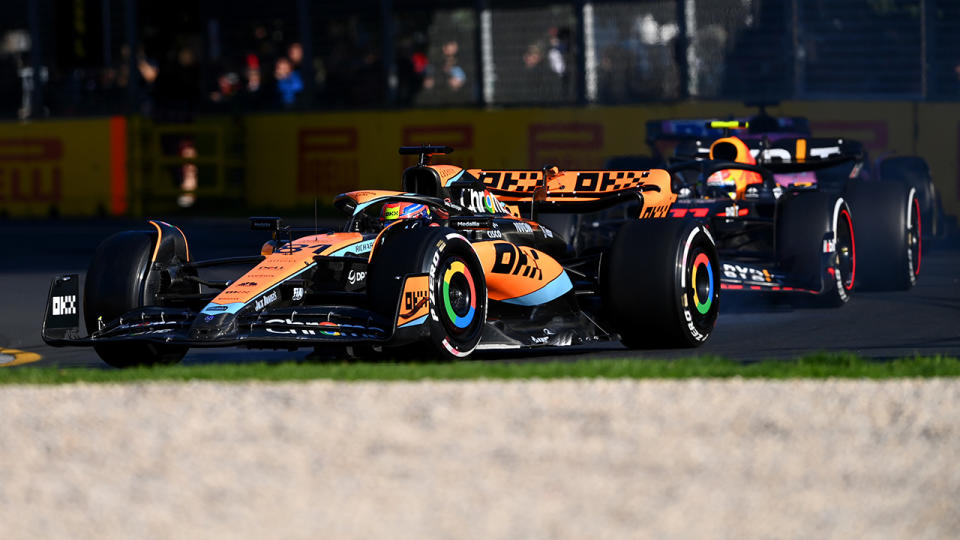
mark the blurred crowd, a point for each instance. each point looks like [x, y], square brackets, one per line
[737, 50]
[267, 72]
[433, 64]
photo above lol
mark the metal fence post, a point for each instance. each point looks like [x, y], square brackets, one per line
[799, 50]
[928, 26]
[682, 44]
[581, 57]
[388, 50]
[590, 77]
[107, 41]
[487, 66]
[130, 31]
[36, 60]
[478, 7]
[306, 43]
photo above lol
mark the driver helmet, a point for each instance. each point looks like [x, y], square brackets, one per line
[736, 180]
[392, 212]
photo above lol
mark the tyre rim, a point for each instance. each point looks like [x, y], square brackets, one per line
[701, 281]
[846, 250]
[702, 290]
[459, 296]
[914, 239]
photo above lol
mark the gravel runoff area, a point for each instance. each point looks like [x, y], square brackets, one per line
[485, 459]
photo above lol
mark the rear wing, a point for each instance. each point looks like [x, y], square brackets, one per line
[700, 128]
[574, 191]
[668, 138]
[805, 150]
[788, 154]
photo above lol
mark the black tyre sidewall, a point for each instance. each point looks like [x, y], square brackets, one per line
[115, 277]
[447, 342]
[882, 214]
[646, 279]
[803, 221]
[114, 285]
[424, 250]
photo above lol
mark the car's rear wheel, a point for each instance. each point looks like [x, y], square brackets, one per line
[115, 284]
[913, 172]
[660, 283]
[888, 226]
[457, 288]
[816, 244]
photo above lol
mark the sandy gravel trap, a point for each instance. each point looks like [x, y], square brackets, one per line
[552, 459]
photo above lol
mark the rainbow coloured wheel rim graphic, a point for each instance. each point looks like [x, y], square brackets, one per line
[459, 295]
[701, 281]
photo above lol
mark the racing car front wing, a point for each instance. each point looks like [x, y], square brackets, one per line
[282, 327]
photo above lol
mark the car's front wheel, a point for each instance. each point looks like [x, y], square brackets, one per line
[452, 275]
[116, 284]
[660, 283]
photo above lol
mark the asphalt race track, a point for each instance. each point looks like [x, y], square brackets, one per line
[925, 320]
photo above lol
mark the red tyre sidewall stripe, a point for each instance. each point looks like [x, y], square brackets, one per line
[853, 248]
[916, 207]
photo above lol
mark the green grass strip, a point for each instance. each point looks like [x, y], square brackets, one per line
[819, 366]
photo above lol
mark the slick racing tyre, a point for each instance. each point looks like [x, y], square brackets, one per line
[115, 284]
[887, 223]
[660, 283]
[913, 172]
[457, 288]
[816, 244]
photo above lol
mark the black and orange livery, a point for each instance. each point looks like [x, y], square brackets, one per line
[474, 269]
[790, 213]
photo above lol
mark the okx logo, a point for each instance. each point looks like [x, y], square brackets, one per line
[64, 305]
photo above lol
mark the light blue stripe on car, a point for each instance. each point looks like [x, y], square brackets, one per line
[217, 309]
[453, 179]
[357, 248]
[551, 291]
[414, 322]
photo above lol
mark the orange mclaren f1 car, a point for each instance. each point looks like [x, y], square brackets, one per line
[445, 261]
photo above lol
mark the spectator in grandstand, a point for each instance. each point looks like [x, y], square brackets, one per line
[411, 64]
[539, 82]
[178, 93]
[251, 93]
[289, 83]
[228, 84]
[253, 76]
[455, 77]
[445, 82]
[145, 75]
[178, 86]
[295, 55]
[558, 57]
[264, 46]
[367, 84]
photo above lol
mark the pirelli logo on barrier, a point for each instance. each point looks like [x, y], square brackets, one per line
[72, 167]
[457, 136]
[30, 170]
[327, 162]
[570, 145]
